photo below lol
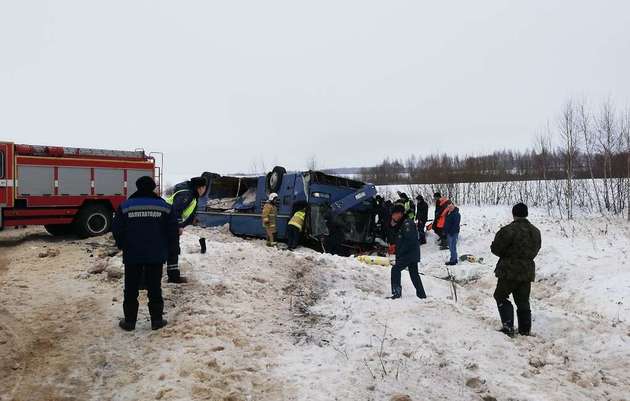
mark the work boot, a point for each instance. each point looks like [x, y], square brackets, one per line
[158, 324]
[449, 263]
[506, 312]
[175, 277]
[524, 322]
[396, 293]
[421, 294]
[127, 326]
[507, 330]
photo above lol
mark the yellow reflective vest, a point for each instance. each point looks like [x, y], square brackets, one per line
[189, 210]
[298, 219]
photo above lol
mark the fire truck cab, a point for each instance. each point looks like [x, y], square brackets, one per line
[67, 190]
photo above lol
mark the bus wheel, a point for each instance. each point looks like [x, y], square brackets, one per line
[93, 220]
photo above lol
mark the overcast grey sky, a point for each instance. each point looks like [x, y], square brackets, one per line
[224, 85]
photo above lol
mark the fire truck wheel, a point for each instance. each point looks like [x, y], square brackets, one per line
[58, 229]
[93, 220]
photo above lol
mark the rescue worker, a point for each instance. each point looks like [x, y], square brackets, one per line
[451, 230]
[441, 203]
[516, 245]
[378, 206]
[269, 215]
[410, 208]
[422, 214]
[184, 204]
[295, 227]
[144, 228]
[387, 218]
[407, 252]
[336, 235]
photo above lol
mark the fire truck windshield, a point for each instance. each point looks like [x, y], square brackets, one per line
[1, 163]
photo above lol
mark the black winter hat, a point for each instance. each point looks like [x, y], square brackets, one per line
[419, 197]
[145, 184]
[198, 182]
[520, 210]
[437, 195]
[398, 208]
[403, 195]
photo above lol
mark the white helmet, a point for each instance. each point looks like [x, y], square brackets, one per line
[272, 196]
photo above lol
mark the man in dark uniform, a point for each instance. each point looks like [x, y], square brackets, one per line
[516, 245]
[422, 214]
[144, 228]
[387, 218]
[334, 239]
[184, 204]
[407, 252]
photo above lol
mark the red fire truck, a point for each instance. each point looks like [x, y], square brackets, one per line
[67, 190]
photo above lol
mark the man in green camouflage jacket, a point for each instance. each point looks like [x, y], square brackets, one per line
[516, 245]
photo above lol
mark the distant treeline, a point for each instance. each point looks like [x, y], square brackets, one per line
[498, 166]
[582, 144]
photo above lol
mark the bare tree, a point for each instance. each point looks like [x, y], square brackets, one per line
[257, 166]
[311, 163]
[543, 148]
[624, 129]
[606, 140]
[589, 141]
[569, 135]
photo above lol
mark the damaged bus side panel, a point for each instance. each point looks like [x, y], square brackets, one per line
[238, 202]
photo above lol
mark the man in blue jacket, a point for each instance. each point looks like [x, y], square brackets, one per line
[451, 230]
[144, 229]
[184, 203]
[407, 252]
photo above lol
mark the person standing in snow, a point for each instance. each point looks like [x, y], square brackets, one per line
[144, 228]
[422, 214]
[269, 215]
[441, 202]
[407, 252]
[336, 232]
[410, 208]
[379, 210]
[516, 245]
[295, 227]
[451, 230]
[184, 205]
[387, 218]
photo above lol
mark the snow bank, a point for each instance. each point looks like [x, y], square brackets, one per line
[327, 331]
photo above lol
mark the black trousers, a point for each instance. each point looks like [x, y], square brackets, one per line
[440, 233]
[413, 274]
[133, 277]
[333, 243]
[293, 236]
[172, 263]
[520, 291]
[422, 235]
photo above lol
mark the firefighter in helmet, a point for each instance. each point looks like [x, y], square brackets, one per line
[269, 215]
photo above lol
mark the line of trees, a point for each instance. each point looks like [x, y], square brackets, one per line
[589, 148]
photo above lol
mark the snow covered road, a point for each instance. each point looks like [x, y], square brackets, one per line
[266, 324]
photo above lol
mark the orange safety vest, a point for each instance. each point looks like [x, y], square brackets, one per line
[441, 221]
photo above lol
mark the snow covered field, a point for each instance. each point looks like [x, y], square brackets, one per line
[266, 324]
